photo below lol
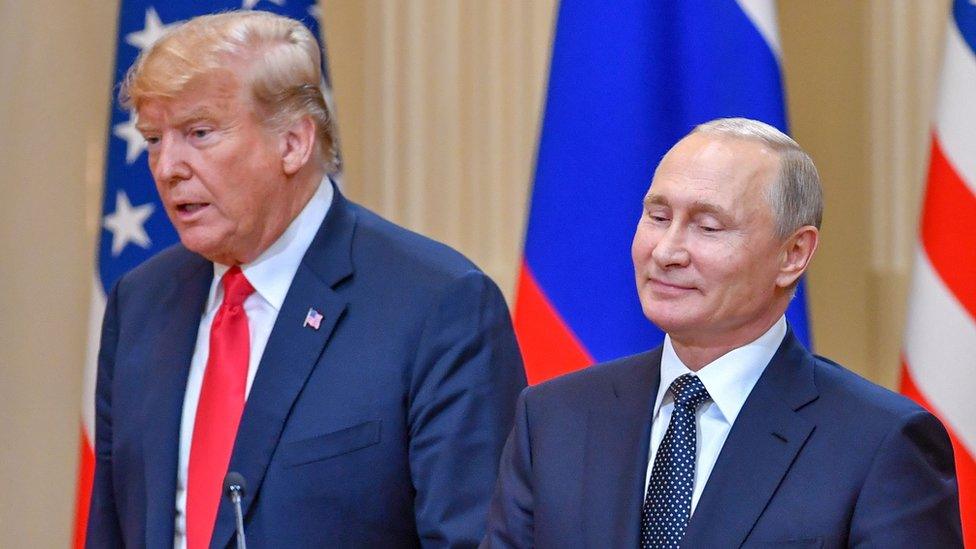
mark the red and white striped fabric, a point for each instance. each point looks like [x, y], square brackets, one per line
[939, 355]
[86, 450]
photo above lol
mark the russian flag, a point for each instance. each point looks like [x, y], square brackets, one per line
[628, 79]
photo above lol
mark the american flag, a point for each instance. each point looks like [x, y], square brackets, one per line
[313, 319]
[939, 353]
[134, 224]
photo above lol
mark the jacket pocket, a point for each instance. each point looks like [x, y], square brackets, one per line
[332, 444]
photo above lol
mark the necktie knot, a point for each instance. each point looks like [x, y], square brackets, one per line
[236, 287]
[689, 392]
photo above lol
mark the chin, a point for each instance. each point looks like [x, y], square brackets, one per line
[668, 319]
[199, 244]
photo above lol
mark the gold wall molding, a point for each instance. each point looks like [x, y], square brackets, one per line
[438, 106]
[905, 44]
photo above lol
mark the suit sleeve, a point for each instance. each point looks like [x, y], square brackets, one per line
[510, 514]
[466, 378]
[103, 520]
[910, 497]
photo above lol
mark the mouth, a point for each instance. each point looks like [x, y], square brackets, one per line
[186, 211]
[668, 288]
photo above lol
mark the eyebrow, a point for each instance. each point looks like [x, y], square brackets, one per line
[655, 199]
[199, 113]
[698, 206]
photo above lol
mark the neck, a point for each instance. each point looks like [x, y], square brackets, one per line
[699, 350]
[305, 184]
[696, 357]
[301, 187]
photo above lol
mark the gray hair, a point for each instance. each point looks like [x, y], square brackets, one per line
[797, 196]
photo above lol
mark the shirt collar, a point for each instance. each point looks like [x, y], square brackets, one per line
[272, 272]
[730, 378]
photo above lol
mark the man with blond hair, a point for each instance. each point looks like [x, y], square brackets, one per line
[730, 434]
[359, 377]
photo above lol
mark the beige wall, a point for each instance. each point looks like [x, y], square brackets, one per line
[438, 106]
[54, 73]
[860, 80]
[438, 110]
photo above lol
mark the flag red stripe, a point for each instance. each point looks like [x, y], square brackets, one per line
[947, 218]
[86, 474]
[965, 464]
[549, 347]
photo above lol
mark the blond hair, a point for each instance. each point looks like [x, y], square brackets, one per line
[283, 76]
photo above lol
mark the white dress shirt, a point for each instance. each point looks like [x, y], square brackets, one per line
[729, 379]
[270, 275]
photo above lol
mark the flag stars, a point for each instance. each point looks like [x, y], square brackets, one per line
[127, 224]
[315, 11]
[134, 142]
[249, 4]
[151, 32]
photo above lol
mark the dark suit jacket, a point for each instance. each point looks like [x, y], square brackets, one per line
[382, 428]
[818, 457]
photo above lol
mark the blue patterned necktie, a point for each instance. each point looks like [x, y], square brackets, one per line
[667, 507]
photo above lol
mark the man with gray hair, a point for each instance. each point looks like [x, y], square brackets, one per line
[731, 433]
[359, 378]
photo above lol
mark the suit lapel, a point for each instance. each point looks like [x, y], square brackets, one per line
[615, 458]
[290, 355]
[760, 448]
[181, 306]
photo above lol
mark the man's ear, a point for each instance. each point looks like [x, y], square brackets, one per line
[297, 144]
[796, 255]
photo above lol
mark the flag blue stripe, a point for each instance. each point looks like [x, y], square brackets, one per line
[628, 79]
[964, 14]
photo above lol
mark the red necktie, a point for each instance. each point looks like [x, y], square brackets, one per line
[218, 410]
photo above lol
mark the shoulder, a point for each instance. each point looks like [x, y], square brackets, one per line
[404, 279]
[577, 389]
[170, 266]
[854, 412]
[846, 391]
[386, 244]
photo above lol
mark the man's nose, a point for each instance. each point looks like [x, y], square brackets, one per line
[671, 250]
[170, 164]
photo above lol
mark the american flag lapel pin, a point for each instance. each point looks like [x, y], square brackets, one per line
[313, 319]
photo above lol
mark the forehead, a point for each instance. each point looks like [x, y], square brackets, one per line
[717, 169]
[216, 95]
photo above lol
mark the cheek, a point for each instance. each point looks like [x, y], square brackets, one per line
[742, 279]
[643, 244]
[235, 206]
[163, 191]
[247, 206]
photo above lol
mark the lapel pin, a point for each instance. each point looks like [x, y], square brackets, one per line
[312, 320]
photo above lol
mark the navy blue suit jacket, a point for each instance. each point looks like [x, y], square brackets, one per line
[818, 457]
[382, 428]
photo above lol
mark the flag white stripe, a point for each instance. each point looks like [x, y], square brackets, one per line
[762, 13]
[940, 349]
[96, 310]
[956, 113]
